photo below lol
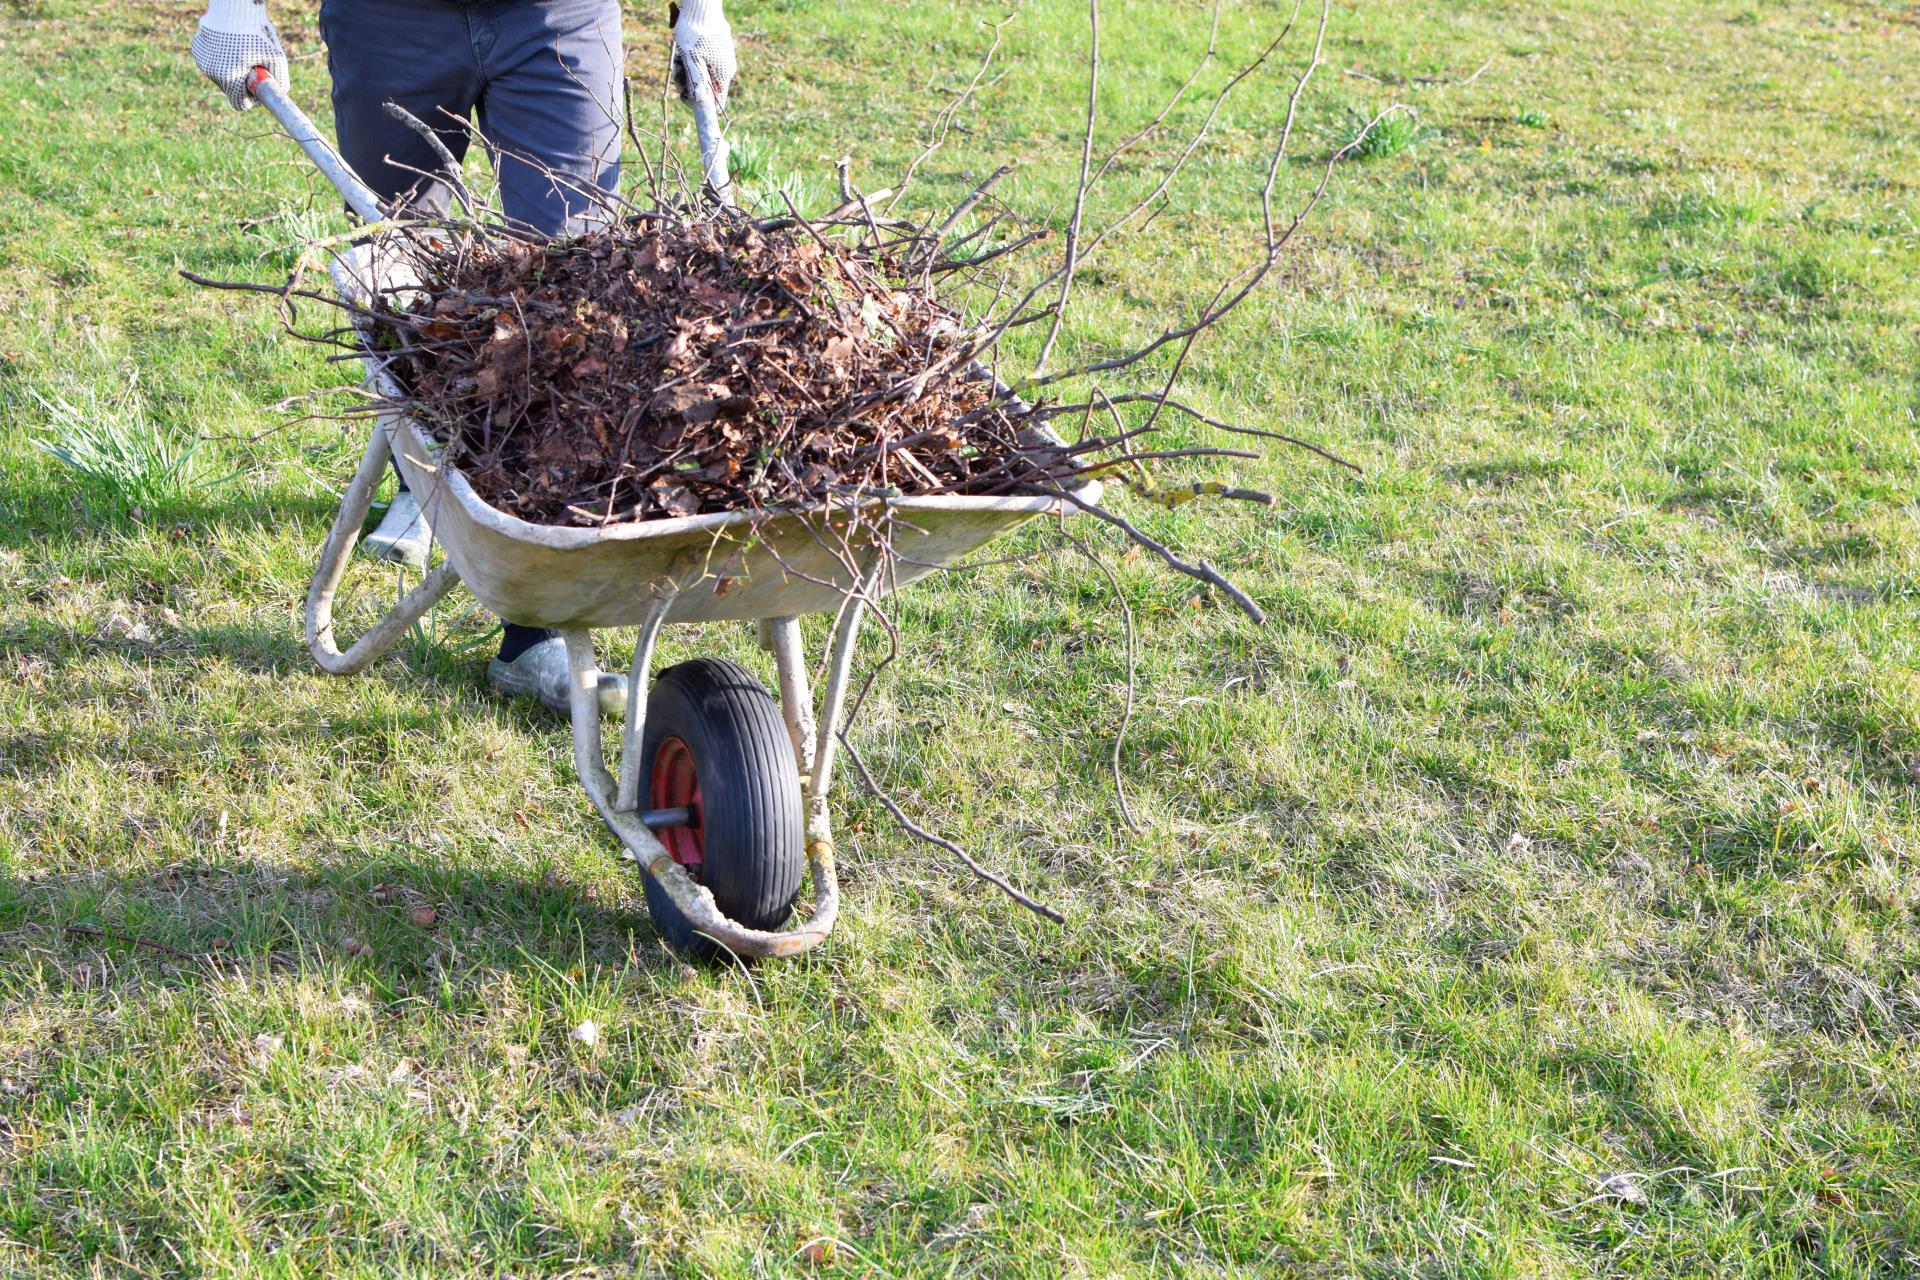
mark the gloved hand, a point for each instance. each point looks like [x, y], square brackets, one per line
[702, 39]
[234, 37]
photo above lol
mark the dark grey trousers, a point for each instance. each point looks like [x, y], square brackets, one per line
[543, 77]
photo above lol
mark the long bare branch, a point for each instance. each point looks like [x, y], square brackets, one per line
[1072, 263]
[943, 121]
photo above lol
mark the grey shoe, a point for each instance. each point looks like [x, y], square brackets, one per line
[541, 672]
[403, 536]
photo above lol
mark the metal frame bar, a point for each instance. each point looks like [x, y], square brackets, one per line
[646, 638]
[335, 554]
[781, 638]
[846, 636]
[358, 195]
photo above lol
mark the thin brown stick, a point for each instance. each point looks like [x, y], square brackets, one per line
[967, 205]
[1193, 77]
[1194, 143]
[144, 944]
[440, 149]
[943, 121]
[1126, 712]
[1136, 397]
[918, 832]
[1200, 571]
[1072, 263]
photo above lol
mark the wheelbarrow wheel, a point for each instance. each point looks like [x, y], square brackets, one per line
[715, 743]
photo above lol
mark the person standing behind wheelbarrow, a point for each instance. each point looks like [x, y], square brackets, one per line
[543, 79]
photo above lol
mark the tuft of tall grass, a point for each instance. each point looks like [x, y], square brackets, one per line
[1398, 131]
[285, 234]
[118, 447]
[760, 189]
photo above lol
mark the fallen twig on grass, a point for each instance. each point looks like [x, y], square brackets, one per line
[145, 944]
[918, 832]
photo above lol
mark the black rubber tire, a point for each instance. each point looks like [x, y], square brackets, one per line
[754, 829]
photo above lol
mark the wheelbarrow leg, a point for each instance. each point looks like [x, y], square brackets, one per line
[633, 732]
[334, 556]
[846, 635]
[781, 637]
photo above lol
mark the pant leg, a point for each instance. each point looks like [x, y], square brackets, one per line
[553, 101]
[418, 53]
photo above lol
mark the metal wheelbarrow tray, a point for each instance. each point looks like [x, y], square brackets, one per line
[729, 566]
[767, 568]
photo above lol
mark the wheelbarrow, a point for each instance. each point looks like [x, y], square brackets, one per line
[719, 792]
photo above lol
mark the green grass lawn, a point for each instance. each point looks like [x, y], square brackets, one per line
[1534, 896]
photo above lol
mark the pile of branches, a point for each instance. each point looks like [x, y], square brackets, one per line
[668, 366]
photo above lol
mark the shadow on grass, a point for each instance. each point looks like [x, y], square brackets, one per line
[403, 925]
[221, 910]
[258, 650]
[181, 652]
[70, 512]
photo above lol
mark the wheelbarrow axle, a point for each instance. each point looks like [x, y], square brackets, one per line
[678, 816]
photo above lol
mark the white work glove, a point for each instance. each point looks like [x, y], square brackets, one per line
[703, 40]
[234, 38]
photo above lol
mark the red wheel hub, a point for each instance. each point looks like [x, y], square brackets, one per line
[676, 782]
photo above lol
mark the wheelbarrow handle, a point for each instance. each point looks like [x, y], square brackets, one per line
[713, 140]
[359, 196]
